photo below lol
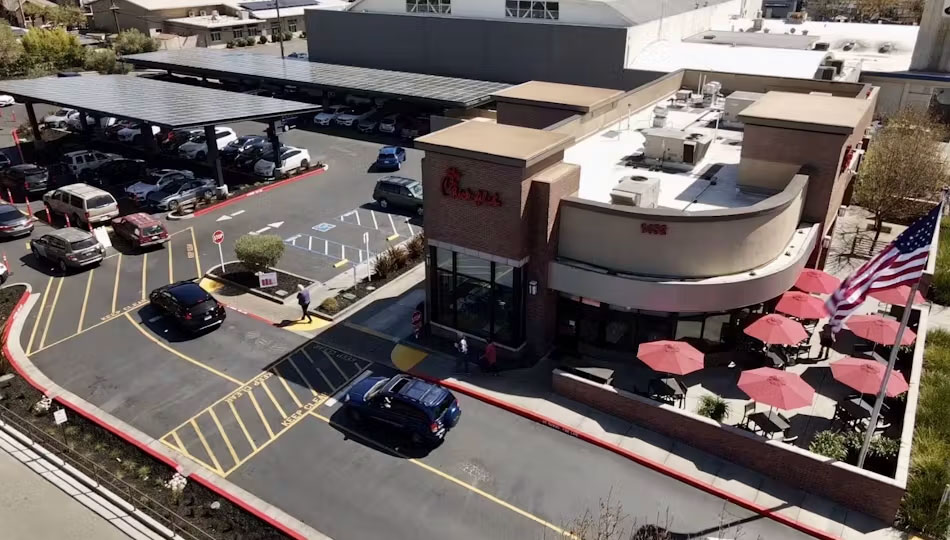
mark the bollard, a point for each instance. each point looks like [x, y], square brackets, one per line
[49, 218]
[9, 196]
[28, 209]
[5, 263]
[67, 220]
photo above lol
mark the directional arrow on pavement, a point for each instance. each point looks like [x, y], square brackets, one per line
[223, 218]
[275, 224]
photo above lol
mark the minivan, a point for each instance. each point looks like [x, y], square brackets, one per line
[399, 191]
[82, 203]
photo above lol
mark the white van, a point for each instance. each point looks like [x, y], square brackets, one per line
[82, 203]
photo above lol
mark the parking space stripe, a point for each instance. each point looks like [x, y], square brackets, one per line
[224, 435]
[330, 358]
[302, 376]
[330, 385]
[85, 300]
[194, 244]
[52, 310]
[144, 272]
[207, 448]
[186, 358]
[287, 388]
[115, 288]
[257, 407]
[39, 316]
[179, 442]
[272, 398]
[375, 224]
[240, 422]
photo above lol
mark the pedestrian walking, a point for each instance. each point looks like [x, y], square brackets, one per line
[303, 298]
[490, 359]
[416, 323]
[461, 361]
[827, 340]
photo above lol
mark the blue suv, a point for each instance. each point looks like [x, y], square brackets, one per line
[390, 157]
[425, 410]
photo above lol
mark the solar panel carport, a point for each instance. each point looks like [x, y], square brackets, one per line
[413, 87]
[152, 102]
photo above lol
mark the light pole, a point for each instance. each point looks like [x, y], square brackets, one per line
[280, 29]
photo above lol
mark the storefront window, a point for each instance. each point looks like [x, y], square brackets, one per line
[689, 328]
[717, 327]
[506, 313]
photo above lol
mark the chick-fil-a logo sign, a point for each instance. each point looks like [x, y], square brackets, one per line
[451, 187]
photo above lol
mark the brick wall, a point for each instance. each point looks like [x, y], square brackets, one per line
[869, 493]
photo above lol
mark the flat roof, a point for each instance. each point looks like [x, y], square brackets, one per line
[754, 39]
[161, 103]
[445, 91]
[813, 112]
[669, 56]
[712, 184]
[501, 143]
[567, 96]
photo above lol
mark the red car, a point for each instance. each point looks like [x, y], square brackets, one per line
[140, 230]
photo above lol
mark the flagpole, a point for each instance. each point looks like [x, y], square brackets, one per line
[879, 402]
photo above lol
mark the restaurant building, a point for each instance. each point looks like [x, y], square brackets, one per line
[597, 219]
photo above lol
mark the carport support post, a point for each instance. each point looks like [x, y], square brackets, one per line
[148, 138]
[213, 159]
[274, 141]
[83, 124]
[35, 126]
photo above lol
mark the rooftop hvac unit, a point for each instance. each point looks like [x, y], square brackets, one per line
[822, 46]
[682, 95]
[191, 13]
[203, 13]
[756, 25]
[639, 191]
[214, 13]
[696, 100]
[825, 73]
[659, 121]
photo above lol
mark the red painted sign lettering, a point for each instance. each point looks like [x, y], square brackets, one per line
[451, 187]
[653, 228]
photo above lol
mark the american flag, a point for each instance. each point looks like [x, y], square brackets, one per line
[902, 262]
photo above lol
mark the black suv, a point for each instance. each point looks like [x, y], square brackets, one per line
[190, 305]
[116, 174]
[25, 178]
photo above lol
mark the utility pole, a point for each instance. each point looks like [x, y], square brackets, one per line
[115, 16]
[280, 29]
[22, 15]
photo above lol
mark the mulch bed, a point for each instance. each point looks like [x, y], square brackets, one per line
[240, 275]
[362, 289]
[122, 467]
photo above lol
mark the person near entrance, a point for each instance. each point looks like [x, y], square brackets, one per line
[461, 361]
[490, 359]
[303, 298]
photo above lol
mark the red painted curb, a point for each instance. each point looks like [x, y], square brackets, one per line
[646, 462]
[132, 440]
[248, 314]
[257, 191]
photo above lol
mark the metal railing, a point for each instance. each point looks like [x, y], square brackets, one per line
[105, 478]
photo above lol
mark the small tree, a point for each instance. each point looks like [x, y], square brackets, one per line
[104, 61]
[132, 41]
[55, 47]
[829, 444]
[259, 252]
[713, 407]
[903, 163]
[11, 51]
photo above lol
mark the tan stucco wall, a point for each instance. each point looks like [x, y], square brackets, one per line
[694, 246]
[757, 83]
[765, 175]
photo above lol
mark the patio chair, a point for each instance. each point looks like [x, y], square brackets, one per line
[788, 439]
[747, 409]
[784, 418]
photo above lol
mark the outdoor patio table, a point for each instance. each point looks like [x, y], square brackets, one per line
[856, 407]
[769, 422]
[669, 386]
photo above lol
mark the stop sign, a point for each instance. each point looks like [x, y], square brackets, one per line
[217, 236]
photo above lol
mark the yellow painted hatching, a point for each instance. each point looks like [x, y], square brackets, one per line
[406, 358]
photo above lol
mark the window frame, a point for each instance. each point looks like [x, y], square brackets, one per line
[533, 9]
[212, 34]
[438, 7]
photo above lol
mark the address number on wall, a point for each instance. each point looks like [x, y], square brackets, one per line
[653, 228]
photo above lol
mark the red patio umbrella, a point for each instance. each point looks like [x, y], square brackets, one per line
[897, 296]
[775, 329]
[673, 357]
[802, 305]
[812, 280]
[865, 376]
[879, 329]
[776, 388]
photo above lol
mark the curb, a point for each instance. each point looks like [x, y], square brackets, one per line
[258, 191]
[646, 462]
[185, 468]
[261, 294]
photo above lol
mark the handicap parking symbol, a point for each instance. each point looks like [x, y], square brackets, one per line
[323, 227]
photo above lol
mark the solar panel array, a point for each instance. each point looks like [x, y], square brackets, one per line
[272, 4]
[447, 91]
[161, 103]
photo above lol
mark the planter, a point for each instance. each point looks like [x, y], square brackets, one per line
[239, 276]
[347, 300]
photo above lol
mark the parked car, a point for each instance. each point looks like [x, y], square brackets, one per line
[390, 157]
[84, 160]
[299, 56]
[234, 148]
[426, 411]
[178, 137]
[25, 178]
[67, 248]
[352, 117]
[83, 204]
[58, 119]
[326, 117]
[134, 133]
[370, 123]
[156, 179]
[197, 147]
[13, 222]
[73, 123]
[292, 159]
[112, 132]
[414, 128]
[5, 161]
[191, 306]
[6, 101]
[4, 273]
[390, 124]
[399, 191]
[172, 196]
[140, 230]
[115, 174]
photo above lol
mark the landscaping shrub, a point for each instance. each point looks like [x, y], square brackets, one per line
[232, 43]
[713, 407]
[303, 35]
[259, 252]
[399, 256]
[250, 41]
[262, 40]
[330, 305]
[829, 444]
[286, 36]
[416, 247]
[384, 265]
